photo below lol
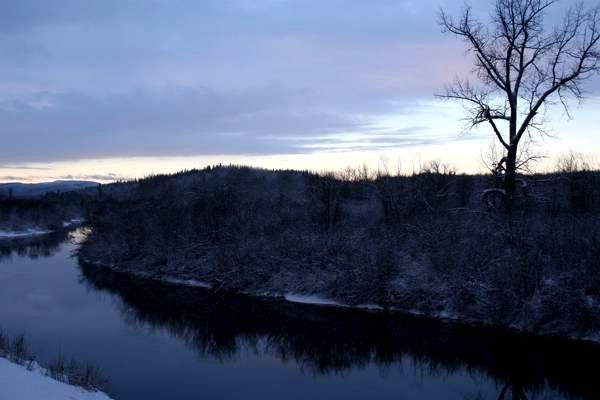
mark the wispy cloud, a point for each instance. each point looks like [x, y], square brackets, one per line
[13, 178]
[109, 177]
[98, 80]
[113, 79]
[23, 167]
[185, 121]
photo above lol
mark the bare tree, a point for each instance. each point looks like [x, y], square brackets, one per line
[521, 68]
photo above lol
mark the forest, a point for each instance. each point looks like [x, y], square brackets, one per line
[431, 243]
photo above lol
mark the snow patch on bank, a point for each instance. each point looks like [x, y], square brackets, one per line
[311, 299]
[314, 299]
[25, 233]
[32, 232]
[320, 301]
[19, 383]
[187, 282]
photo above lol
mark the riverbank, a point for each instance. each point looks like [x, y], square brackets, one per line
[22, 377]
[422, 244]
[32, 232]
[6, 234]
[18, 382]
[319, 300]
[195, 342]
[338, 340]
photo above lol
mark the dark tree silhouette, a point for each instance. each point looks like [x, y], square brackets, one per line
[521, 68]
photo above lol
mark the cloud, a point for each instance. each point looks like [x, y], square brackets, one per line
[102, 79]
[14, 178]
[109, 177]
[23, 167]
[107, 78]
[184, 121]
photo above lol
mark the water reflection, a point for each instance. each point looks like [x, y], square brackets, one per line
[334, 341]
[516, 389]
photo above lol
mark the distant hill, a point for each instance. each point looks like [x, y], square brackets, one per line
[39, 189]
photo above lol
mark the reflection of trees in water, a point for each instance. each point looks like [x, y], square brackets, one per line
[515, 389]
[329, 340]
[33, 247]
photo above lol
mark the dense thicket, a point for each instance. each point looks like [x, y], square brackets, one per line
[422, 243]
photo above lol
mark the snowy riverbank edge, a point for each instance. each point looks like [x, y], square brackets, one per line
[33, 232]
[20, 383]
[23, 234]
[321, 301]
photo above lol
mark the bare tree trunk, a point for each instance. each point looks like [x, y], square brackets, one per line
[510, 176]
[513, 142]
[523, 68]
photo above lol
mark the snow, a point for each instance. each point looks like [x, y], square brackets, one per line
[311, 299]
[320, 301]
[188, 282]
[36, 231]
[18, 383]
[20, 234]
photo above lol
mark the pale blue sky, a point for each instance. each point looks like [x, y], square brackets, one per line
[97, 87]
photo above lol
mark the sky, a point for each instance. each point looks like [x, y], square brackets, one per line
[115, 89]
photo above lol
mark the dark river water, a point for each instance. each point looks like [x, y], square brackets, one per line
[155, 341]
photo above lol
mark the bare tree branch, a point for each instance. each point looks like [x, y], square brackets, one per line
[523, 68]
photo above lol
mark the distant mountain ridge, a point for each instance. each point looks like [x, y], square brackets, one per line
[18, 189]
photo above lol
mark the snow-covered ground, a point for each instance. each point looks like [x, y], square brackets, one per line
[187, 282]
[25, 233]
[18, 383]
[320, 301]
[311, 299]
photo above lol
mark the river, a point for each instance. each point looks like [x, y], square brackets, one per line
[159, 341]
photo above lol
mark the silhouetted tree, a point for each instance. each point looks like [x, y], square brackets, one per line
[521, 68]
